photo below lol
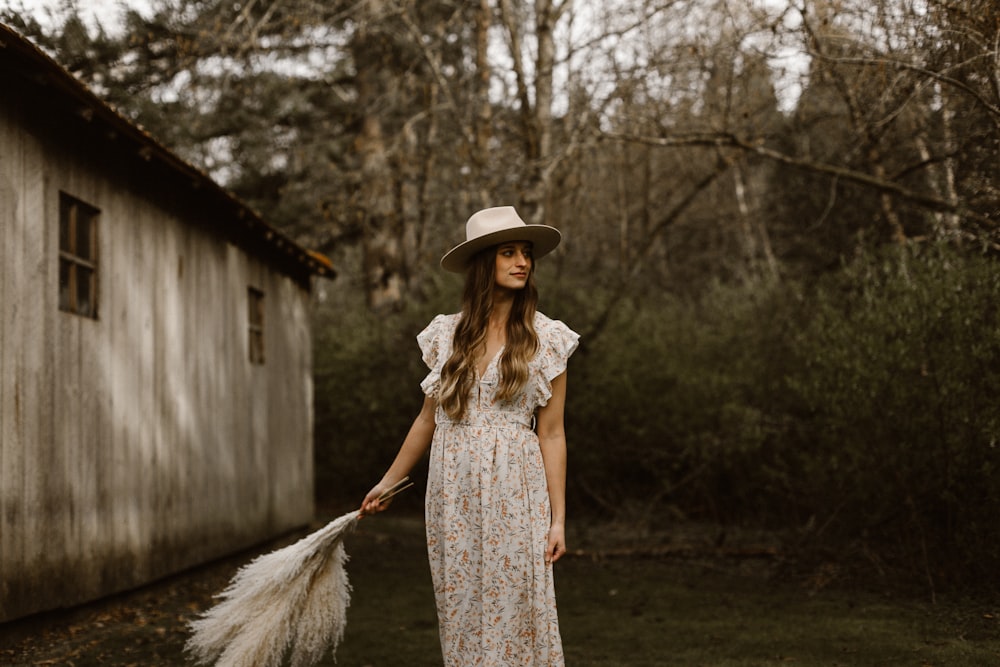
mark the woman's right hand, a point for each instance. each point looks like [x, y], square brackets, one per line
[371, 504]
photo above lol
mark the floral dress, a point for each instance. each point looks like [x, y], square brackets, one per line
[487, 511]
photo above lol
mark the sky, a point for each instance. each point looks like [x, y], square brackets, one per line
[106, 11]
[789, 61]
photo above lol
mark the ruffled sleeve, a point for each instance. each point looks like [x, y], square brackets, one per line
[435, 347]
[556, 343]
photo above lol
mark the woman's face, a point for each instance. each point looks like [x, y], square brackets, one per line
[513, 265]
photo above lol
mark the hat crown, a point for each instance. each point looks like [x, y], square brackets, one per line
[491, 220]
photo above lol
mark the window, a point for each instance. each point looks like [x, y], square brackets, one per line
[255, 324]
[77, 256]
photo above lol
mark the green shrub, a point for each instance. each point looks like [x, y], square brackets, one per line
[672, 407]
[899, 372]
[367, 373]
[860, 413]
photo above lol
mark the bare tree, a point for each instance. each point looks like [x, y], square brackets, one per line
[375, 127]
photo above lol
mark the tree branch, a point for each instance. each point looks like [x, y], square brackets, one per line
[993, 109]
[671, 217]
[433, 61]
[722, 139]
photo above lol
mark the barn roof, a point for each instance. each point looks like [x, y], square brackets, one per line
[74, 101]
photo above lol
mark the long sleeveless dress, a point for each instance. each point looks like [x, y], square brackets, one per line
[487, 511]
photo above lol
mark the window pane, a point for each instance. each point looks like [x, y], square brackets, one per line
[256, 347]
[256, 305]
[255, 325]
[65, 226]
[84, 222]
[84, 291]
[66, 285]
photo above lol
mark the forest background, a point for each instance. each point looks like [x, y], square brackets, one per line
[780, 231]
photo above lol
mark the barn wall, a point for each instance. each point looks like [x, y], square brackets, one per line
[143, 442]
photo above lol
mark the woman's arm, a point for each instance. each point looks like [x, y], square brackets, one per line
[552, 441]
[414, 446]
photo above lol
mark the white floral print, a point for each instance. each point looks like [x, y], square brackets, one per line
[487, 512]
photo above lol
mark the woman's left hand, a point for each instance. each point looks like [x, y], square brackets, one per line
[557, 543]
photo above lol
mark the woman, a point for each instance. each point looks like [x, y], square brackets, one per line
[495, 505]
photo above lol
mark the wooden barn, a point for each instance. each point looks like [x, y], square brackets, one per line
[155, 353]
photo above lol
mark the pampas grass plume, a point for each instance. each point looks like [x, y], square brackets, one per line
[290, 604]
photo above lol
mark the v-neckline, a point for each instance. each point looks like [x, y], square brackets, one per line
[486, 371]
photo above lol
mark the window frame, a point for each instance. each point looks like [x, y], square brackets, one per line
[255, 326]
[75, 265]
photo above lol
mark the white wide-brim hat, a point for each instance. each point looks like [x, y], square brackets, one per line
[493, 226]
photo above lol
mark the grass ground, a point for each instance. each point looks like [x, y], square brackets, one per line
[690, 607]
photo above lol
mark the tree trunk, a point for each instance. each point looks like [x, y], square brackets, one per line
[377, 199]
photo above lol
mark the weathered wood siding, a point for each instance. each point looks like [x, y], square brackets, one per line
[143, 442]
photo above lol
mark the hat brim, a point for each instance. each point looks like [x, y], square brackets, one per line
[544, 239]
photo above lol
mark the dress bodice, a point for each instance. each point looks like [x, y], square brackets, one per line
[556, 342]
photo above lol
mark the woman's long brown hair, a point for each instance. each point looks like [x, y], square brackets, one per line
[458, 375]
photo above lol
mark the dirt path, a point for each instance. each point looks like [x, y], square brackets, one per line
[142, 628]
[628, 599]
